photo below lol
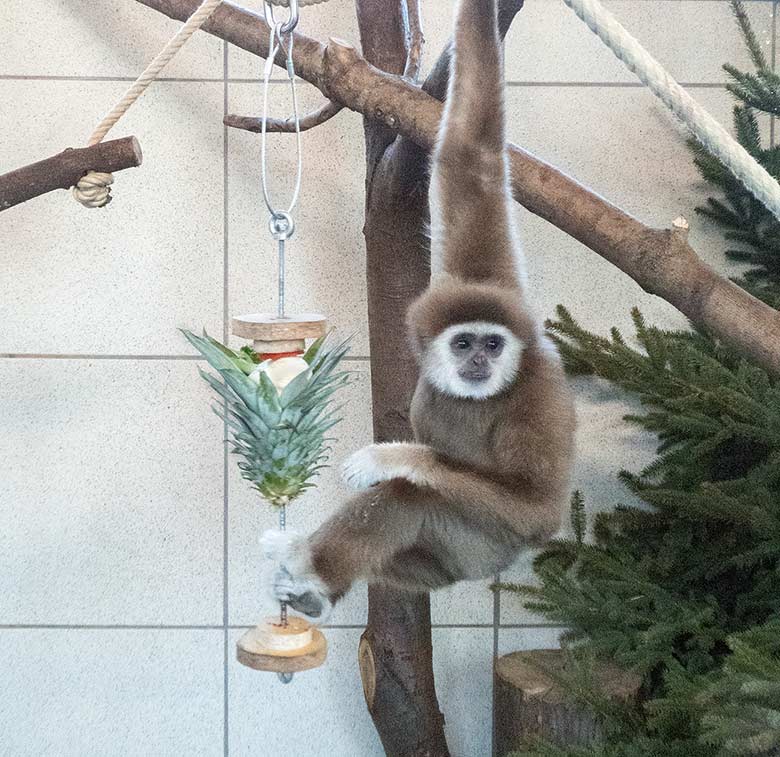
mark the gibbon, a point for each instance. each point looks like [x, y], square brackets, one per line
[492, 415]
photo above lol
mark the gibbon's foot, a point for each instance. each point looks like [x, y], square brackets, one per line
[281, 546]
[304, 594]
[292, 578]
[383, 462]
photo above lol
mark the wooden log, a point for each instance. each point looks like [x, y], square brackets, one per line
[64, 170]
[530, 704]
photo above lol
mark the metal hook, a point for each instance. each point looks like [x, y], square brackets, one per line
[292, 20]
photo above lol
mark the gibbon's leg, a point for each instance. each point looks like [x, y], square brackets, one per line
[471, 224]
[359, 541]
[418, 569]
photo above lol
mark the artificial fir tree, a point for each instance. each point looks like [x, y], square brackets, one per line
[686, 589]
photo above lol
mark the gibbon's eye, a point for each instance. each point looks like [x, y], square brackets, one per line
[462, 342]
[494, 343]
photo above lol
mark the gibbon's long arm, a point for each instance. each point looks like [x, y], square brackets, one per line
[469, 183]
[462, 491]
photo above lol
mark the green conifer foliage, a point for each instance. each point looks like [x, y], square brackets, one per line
[685, 588]
[745, 221]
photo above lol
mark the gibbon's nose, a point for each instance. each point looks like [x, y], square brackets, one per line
[479, 360]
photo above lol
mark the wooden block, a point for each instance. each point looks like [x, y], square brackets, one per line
[530, 704]
[263, 327]
[274, 348]
[250, 653]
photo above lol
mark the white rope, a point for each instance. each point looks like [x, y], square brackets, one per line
[93, 190]
[704, 127]
[302, 3]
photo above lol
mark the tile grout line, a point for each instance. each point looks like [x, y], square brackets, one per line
[509, 83]
[87, 356]
[225, 462]
[83, 356]
[496, 626]
[236, 627]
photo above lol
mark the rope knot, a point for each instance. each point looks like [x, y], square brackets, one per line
[93, 190]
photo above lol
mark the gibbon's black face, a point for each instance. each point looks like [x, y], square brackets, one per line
[476, 355]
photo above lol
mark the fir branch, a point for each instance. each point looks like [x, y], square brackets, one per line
[749, 36]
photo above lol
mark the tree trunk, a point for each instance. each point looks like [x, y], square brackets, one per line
[396, 648]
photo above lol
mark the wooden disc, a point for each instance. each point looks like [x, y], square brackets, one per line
[264, 327]
[250, 653]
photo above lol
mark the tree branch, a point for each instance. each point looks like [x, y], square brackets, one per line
[64, 170]
[286, 125]
[415, 41]
[647, 255]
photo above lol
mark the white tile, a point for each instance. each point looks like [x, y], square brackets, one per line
[84, 38]
[466, 602]
[463, 669]
[320, 21]
[321, 712]
[266, 715]
[110, 494]
[622, 144]
[548, 43]
[96, 692]
[118, 280]
[250, 516]
[525, 639]
[326, 255]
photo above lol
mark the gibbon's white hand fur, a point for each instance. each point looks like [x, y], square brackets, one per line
[492, 414]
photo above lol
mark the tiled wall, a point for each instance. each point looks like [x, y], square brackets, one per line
[128, 543]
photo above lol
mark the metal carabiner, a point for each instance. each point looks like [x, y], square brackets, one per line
[292, 20]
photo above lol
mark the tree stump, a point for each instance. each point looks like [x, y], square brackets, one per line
[530, 704]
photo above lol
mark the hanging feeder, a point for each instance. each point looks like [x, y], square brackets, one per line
[276, 397]
[283, 645]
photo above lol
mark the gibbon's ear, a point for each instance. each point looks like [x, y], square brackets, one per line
[452, 301]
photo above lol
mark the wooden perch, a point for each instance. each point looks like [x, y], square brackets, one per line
[415, 41]
[286, 125]
[657, 260]
[64, 170]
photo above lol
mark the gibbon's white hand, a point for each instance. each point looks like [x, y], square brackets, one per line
[384, 462]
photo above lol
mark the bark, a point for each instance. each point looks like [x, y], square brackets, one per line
[64, 170]
[396, 647]
[286, 125]
[659, 261]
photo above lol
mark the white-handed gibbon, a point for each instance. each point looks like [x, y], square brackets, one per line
[492, 414]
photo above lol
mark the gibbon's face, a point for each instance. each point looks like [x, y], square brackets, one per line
[473, 360]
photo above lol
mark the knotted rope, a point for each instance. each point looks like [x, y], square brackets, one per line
[703, 126]
[93, 190]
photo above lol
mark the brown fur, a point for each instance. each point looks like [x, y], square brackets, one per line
[487, 476]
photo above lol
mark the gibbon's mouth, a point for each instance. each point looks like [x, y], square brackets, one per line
[474, 376]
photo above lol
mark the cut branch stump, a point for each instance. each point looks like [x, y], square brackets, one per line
[531, 705]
